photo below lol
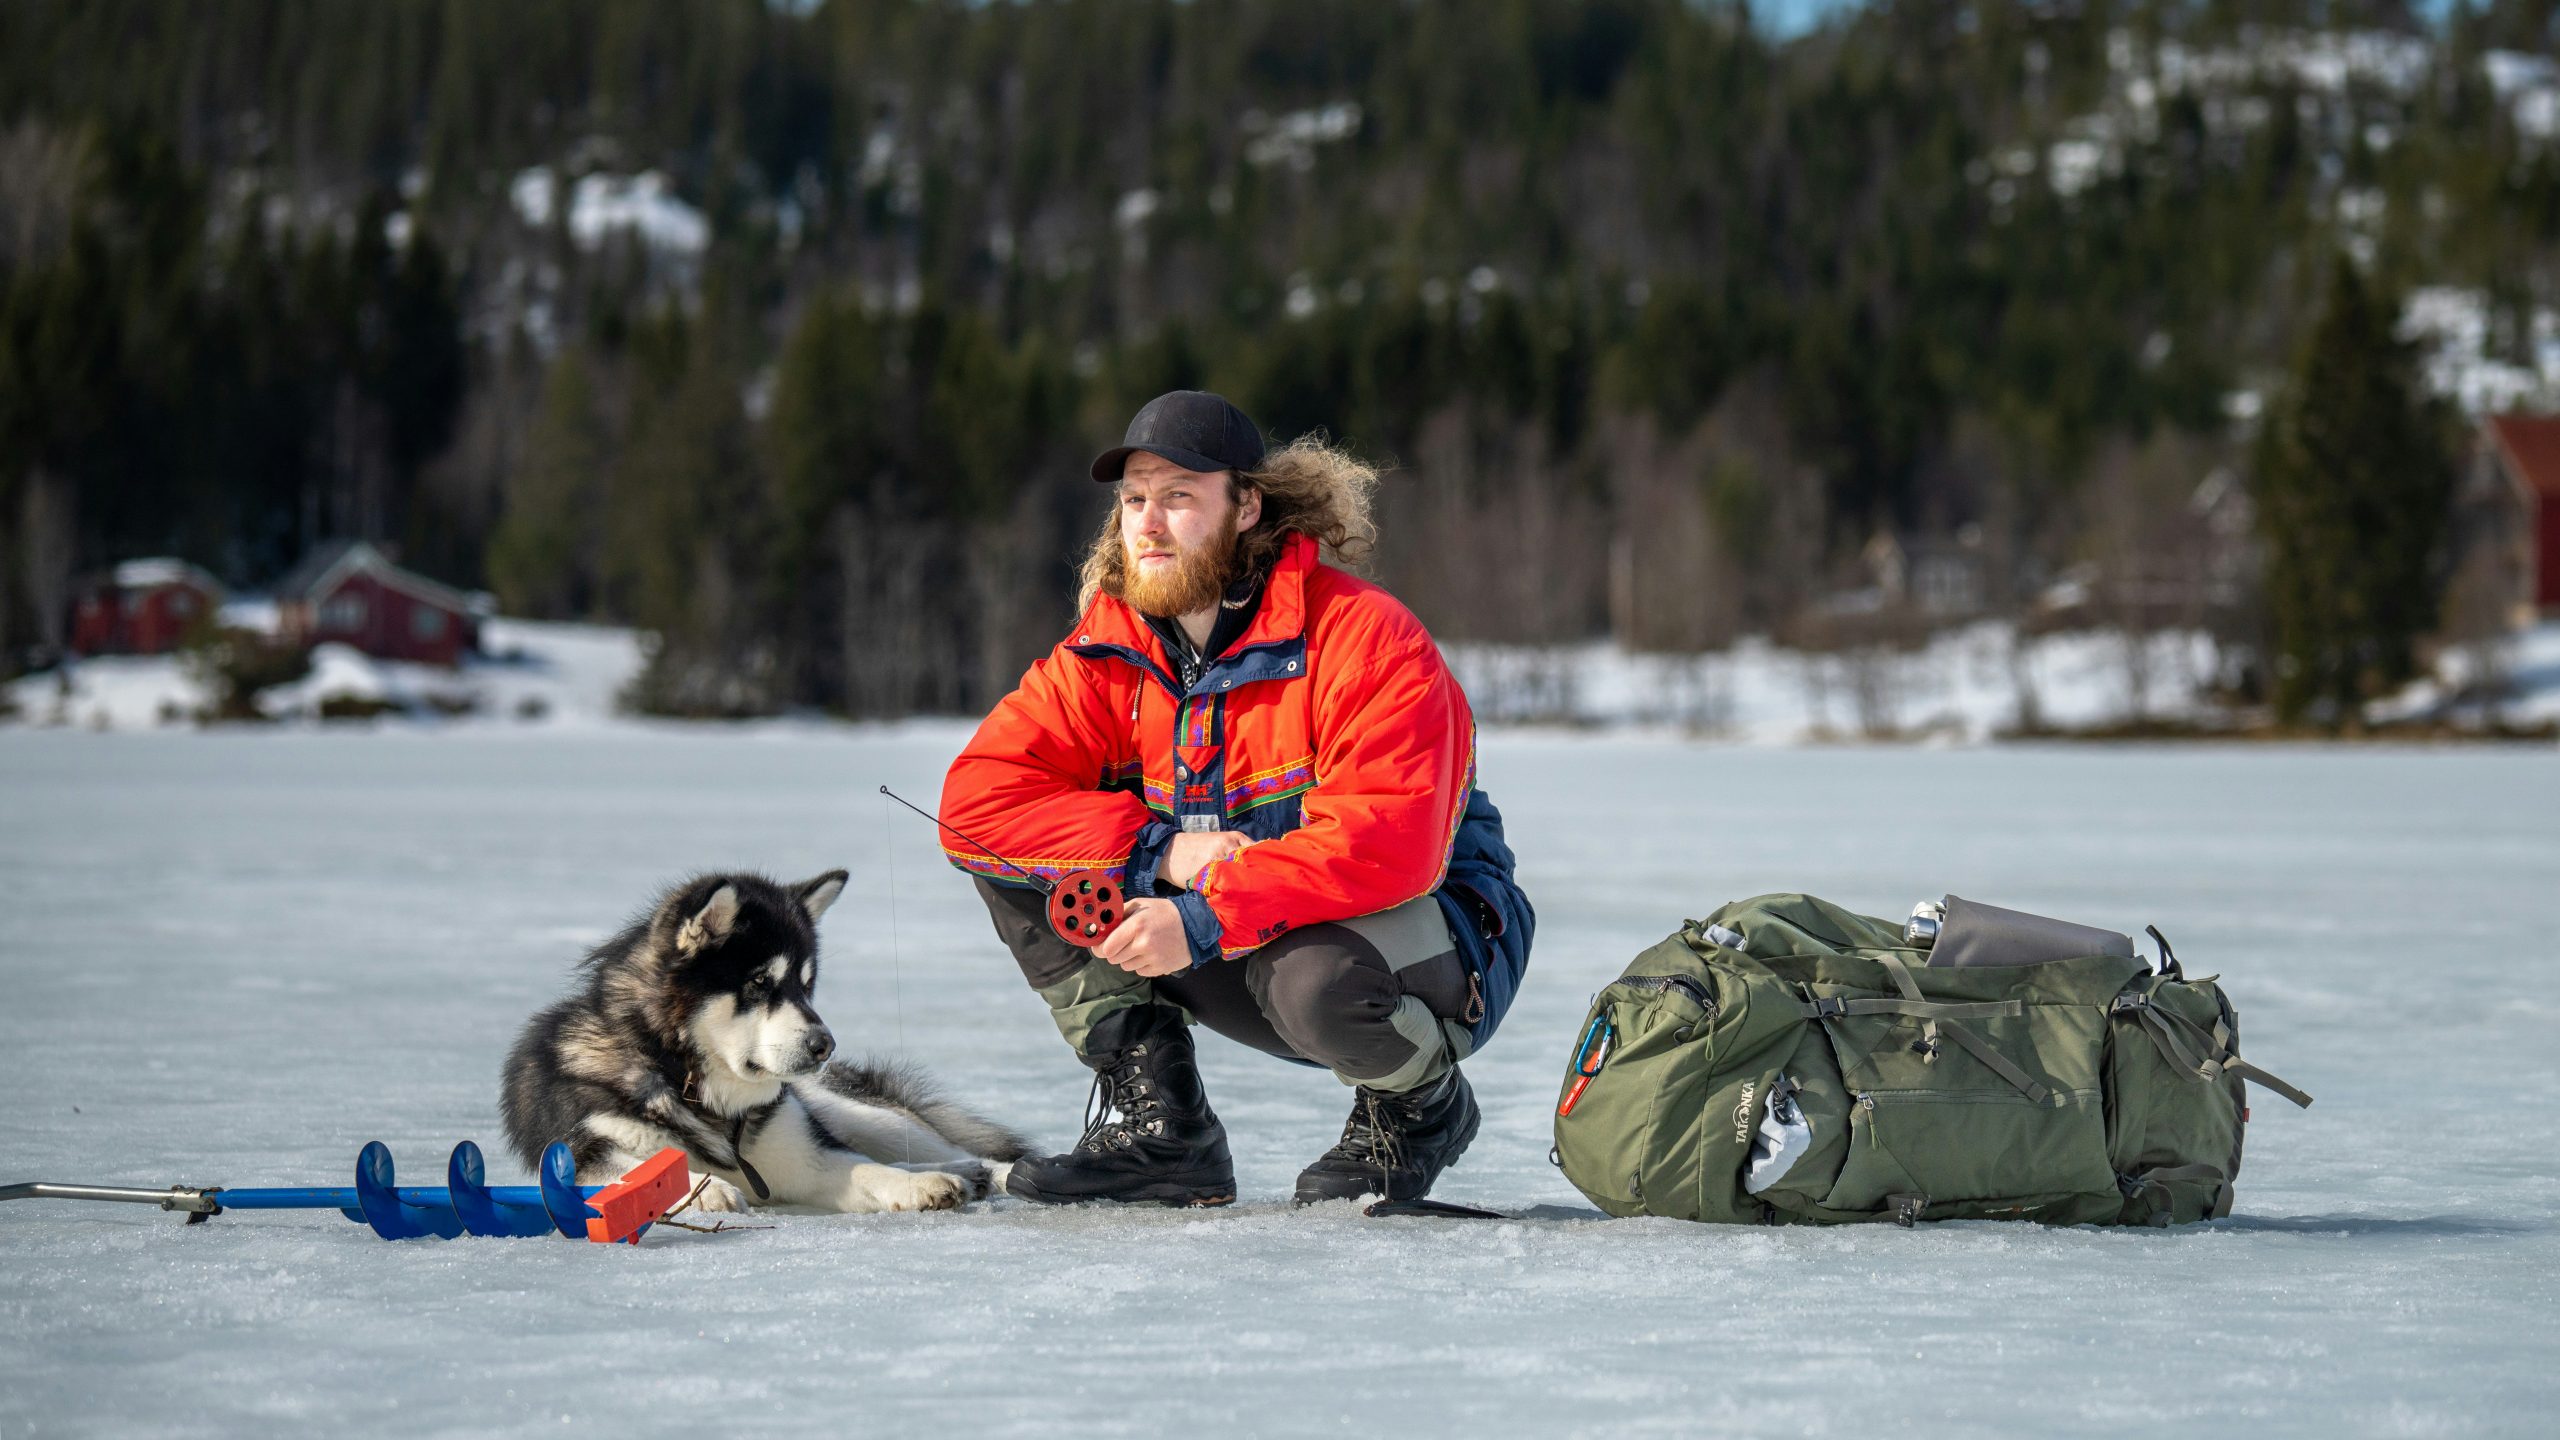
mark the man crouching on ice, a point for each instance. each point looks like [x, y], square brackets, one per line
[1274, 751]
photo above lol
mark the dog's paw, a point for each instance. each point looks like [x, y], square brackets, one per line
[929, 1190]
[979, 1175]
[717, 1195]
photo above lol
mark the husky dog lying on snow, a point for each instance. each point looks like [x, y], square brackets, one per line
[693, 1029]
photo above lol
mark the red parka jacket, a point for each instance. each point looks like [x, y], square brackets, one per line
[1331, 732]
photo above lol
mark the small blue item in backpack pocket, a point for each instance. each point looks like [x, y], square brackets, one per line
[1588, 1058]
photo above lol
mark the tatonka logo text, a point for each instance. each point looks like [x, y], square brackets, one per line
[1742, 1113]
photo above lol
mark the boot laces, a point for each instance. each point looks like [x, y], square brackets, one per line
[1373, 1136]
[1121, 1088]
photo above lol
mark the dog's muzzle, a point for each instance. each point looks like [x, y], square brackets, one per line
[817, 1044]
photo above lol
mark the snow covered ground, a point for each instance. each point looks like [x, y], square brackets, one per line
[535, 673]
[1964, 686]
[1961, 686]
[234, 957]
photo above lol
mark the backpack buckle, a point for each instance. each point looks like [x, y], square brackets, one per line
[2130, 1000]
[1829, 1007]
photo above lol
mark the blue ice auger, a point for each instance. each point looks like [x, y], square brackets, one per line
[465, 1204]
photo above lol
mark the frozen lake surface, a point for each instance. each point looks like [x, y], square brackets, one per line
[234, 958]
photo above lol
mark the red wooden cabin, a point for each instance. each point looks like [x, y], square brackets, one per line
[142, 607]
[350, 593]
[2528, 447]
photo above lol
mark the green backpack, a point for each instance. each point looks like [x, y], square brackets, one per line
[1784, 1061]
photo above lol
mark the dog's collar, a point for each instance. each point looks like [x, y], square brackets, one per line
[692, 1097]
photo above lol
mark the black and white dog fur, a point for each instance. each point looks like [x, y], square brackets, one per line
[693, 1029]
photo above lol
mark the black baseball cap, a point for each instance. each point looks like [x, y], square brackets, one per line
[1192, 428]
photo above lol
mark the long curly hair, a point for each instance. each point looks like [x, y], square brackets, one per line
[1309, 487]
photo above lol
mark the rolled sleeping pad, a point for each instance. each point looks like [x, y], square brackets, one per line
[1977, 934]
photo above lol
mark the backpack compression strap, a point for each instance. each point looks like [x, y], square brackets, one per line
[2163, 1027]
[1936, 1016]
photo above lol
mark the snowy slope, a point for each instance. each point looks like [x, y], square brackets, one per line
[234, 957]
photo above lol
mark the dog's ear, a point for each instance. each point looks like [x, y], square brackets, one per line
[819, 892]
[711, 924]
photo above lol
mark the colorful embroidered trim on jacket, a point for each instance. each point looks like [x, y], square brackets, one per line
[1278, 783]
[977, 863]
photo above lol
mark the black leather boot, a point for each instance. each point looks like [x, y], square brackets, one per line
[1395, 1146]
[1166, 1147]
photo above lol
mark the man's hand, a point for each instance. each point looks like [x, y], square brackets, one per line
[1191, 852]
[1150, 940]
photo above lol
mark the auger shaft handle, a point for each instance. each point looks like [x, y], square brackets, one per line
[466, 1202]
[339, 1198]
[342, 1198]
[177, 1197]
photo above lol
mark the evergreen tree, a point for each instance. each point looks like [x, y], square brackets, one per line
[2355, 478]
[543, 555]
[1480, 238]
[685, 531]
[827, 437]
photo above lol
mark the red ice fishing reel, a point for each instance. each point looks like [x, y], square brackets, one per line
[1085, 906]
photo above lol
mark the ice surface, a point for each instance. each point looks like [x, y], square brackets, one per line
[233, 958]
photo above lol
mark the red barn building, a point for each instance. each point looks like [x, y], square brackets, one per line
[349, 593]
[142, 607]
[2525, 449]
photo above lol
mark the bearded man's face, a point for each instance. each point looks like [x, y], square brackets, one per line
[1178, 533]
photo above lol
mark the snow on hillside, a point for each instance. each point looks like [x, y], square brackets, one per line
[2331, 69]
[2529, 85]
[2452, 328]
[2325, 61]
[602, 205]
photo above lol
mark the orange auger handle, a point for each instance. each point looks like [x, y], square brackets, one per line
[627, 1207]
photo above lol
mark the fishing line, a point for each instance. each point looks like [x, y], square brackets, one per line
[897, 988]
[1085, 905]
